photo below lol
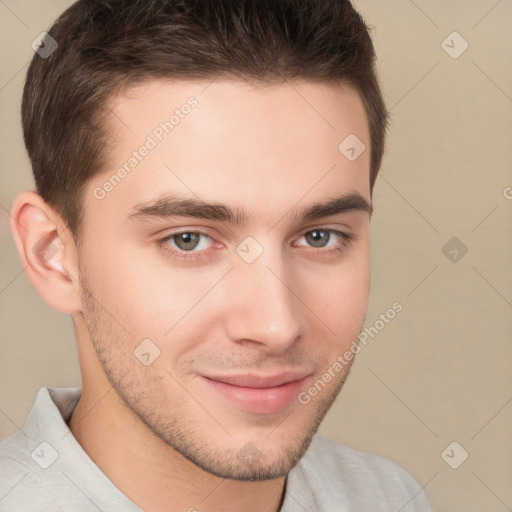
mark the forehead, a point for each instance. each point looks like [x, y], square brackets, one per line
[235, 143]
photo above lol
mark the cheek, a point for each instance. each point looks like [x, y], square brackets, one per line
[342, 299]
[145, 294]
[120, 283]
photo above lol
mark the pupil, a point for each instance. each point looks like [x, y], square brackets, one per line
[316, 236]
[187, 240]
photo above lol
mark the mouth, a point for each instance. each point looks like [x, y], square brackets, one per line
[257, 393]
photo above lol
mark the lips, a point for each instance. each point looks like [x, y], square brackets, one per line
[258, 394]
[260, 381]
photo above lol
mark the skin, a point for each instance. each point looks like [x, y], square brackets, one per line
[159, 432]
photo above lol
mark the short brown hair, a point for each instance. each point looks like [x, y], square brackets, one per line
[105, 43]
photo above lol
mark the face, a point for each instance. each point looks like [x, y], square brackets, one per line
[214, 271]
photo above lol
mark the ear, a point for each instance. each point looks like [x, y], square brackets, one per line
[47, 251]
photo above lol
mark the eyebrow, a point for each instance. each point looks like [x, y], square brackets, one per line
[175, 206]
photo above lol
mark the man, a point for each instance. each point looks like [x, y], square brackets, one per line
[204, 174]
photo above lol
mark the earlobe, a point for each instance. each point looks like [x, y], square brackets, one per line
[47, 252]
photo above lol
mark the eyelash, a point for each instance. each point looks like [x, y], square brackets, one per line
[346, 239]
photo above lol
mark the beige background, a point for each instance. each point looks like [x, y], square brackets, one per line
[440, 370]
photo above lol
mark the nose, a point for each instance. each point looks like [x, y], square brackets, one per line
[263, 307]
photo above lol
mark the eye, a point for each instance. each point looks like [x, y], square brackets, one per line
[185, 244]
[188, 240]
[319, 238]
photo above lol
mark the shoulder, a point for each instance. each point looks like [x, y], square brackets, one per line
[44, 468]
[21, 485]
[331, 457]
[364, 479]
[29, 459]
